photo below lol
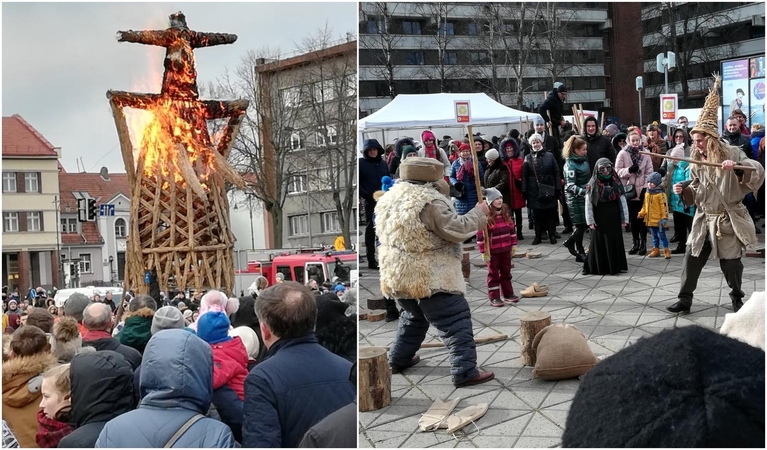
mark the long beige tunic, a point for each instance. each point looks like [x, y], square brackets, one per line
[720, 215]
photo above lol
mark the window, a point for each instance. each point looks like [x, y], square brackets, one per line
[120, 228]
[419, 87]
[9, 182]
[330, 223]
[332, 137]
[299, 225]
[297, 184]
[85, 263]
[31, 183]
[296, 141]
[324, 91]
[410, 27]
[450, 58]
[285, 271]
[376, 27]
[508, 28]
[10, 221]
[415, 58]
[69, 225]
[34, 221]
[291, 97]
[447, 29]
[478, 58]
[351, 84]
[382, 89]
[473, 29]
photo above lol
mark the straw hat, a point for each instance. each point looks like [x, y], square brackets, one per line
[708, 119]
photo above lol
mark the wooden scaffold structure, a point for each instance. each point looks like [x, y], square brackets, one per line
[179, 215]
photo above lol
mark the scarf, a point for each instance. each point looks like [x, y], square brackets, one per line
[51, 431]
[467, 168]
[431, 152]
[633, 153]
[604, 190]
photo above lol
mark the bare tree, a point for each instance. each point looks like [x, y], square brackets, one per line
[697, 33]
[382, 42]
[559, 40]
[446, 68]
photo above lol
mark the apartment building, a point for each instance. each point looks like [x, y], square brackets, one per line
[308, 135]
[30, 198]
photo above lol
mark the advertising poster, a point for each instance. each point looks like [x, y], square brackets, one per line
[756, 111]
[756, 67]
[735, 86]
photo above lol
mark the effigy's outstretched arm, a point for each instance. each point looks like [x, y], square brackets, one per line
[147, 37]
[199, 39]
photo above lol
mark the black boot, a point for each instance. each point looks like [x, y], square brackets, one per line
[642, 247]
[392, 313]
[680, 249]
[635, 248]
[544, 235]
[519, 233]
[737, 304]
[537, 239]
[531, 225]
[679, 307]
[570, 244]
[674, 239]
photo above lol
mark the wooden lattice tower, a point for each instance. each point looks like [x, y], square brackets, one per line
[179, 217]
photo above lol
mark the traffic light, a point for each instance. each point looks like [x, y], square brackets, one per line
[93, 210]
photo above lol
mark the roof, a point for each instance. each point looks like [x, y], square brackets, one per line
[96, 187]
[347, 48]
[20, 139]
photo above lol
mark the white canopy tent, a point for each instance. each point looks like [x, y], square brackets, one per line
[422, 111]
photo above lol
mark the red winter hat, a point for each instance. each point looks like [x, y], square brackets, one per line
[464, 146]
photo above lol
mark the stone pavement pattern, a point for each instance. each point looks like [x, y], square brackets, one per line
[612, 311]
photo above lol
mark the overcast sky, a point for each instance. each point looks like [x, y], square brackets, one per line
[59, 60]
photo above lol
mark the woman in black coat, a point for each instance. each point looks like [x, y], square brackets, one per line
[497, 176]
[540, 173]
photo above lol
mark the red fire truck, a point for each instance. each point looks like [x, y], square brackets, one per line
[302, 266]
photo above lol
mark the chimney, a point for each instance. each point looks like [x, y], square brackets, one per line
[104, 174]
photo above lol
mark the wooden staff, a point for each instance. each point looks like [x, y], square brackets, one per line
[477, 181]
[576, 120]
[482, 340]
[692, 161]
[602, 122]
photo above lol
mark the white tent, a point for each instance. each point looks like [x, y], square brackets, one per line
[410, 111]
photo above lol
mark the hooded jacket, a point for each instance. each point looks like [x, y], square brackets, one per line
[551, 108]
[296, 386]
[21, 399]
[397, 158]
[597, 145]
[104, 341]
[755, 139]
[497, 176]
[137, 330]
[102, 389]
[371, 171]
[177, 383]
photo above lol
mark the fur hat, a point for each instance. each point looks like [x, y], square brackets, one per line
[417, 168]
[491, 154]
[249, 339]
[492, 194]
[166, 318]
[213, 327]
[708, 119]
[65, 339]
[684, 387]
[654, 178]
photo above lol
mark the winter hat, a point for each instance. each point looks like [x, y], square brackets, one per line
[75, 305]
[65, 339]
[329, 307]
[538, 120]
[492, 194]
[427, 134]
[535, 137]
[612, 129]
[464, 146]
[708, 118]
[562, 88]
[182, 306]
[514, 134]
[188, 314]
[407, 150]
[213, 327]
[491, 154]
[417, 168]
[654, 178]
[249, 339]
[166, 318]
[339, 288]
[684, 387]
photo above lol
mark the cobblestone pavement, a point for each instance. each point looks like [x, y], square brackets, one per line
[612, 311]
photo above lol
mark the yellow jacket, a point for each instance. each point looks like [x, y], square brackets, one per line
[654, 208]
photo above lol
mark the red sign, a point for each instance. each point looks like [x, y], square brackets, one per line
[462, 112]
[668, 107]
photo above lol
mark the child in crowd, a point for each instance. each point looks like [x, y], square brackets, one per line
[54, 417]
[655, 214]
[502, 240]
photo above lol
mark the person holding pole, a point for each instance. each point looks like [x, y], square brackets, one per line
[420, 253]
[721, 176]
[551, 109]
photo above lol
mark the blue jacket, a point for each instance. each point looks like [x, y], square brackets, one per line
[371, 171]
[469, 201]
[755, 138]
[176, 384]
[297, 385]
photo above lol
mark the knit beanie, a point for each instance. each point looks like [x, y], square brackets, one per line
[538, 120]
[491, 154]
[654, 178]
[492, 194]
[213, 327]
[167, 317]
[464, 146]
[408, 150]
[684, 387]
[612, 129]
[249, 339]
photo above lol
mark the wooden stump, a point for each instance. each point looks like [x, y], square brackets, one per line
[465, 262]
[529, 325]
[376, 315]
[362, 314]
[376, 303]
[374, 379]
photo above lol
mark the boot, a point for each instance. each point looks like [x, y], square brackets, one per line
[519, 233]
[654, 253]
[570, 244]
[667, 253]
[642, 247]
[392, 313]
[544, 235]
[737, 304]
[680, 249]
[537, 239]
[635, 248]
[552, 238]
[674, 238]
[531, 225]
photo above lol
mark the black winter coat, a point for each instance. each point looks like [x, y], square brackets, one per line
[397, 158]
[599, 146]
[371, 172]
[551, 108]
[102, 389]
[739, 140]
[129, 353]
[548, 173]
[497, 176]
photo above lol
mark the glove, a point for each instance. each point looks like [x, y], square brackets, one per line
[513, 250]
[663, 222]
[634, 169]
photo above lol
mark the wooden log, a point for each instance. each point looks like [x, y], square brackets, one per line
[362, 314]
[530, 324]
[376, 315]
[693, 161]
[478, 341]
[374, 379]
[376, 303]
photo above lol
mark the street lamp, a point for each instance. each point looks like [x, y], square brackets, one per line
[111, 272]
[639, 85]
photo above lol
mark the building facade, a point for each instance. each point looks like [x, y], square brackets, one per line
[30, 198]
[308, 135]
